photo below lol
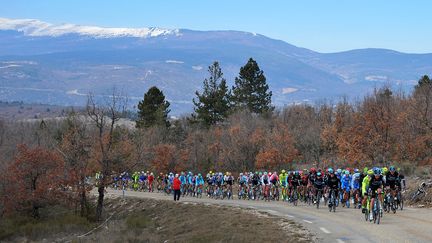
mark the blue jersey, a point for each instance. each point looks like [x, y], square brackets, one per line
[355, 182]
[346, 182]
[182, 179]
[199, 181]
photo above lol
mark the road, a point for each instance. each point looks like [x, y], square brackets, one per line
[345, 225]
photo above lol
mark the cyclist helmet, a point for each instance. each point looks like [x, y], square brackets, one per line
[356, 170]
[269, 174]
[392, 168]
[305, 171]
[377, 171]
[347, 172]
[199, 174]
[330, 170]
[370, 172]
[283, 171]
[241, 174]
[296, 172]
[398, 169]
[338, 171]
[210, 172]
[319, 174]
[384, 170]
[260, 174]
[312, 169]
[275, 173]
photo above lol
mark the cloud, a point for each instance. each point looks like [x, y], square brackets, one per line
[289, 90]
[174, 61]
[378, 78]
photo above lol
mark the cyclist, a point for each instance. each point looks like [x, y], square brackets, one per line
[393, 182]
[255, 182]
[365, 187]
[376, 185]
[318, 184]
[265, 182]
[333, 184]
[274, 179]
[295, 182]
[199, 182]
[150, 182]
[229, 181]
[242, 181]
[346, 187]
[182, 179]
[283, 181]
[355, 186]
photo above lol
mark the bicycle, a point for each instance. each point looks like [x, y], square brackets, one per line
[267, 193]
[276, 193]
[294, 196]
[318, 197]
[199, 191]
[345, 198]
[332, 200]
[376, 210]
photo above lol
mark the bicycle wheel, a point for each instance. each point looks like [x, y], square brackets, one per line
[318, 199]
[366, 214]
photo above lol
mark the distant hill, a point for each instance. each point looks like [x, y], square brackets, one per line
[60, 64]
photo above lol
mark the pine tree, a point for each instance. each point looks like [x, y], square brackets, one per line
[153, 110]
[251, 90]
[212, 104]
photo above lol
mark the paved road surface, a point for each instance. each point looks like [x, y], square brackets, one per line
[345, 225]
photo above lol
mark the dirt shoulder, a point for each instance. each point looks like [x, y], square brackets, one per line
[148, 220]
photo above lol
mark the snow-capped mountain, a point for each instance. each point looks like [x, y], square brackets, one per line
[60, 64]
[34, 27]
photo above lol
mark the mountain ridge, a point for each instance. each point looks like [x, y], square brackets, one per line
[66, 66]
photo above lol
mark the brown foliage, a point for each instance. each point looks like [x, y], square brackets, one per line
[35, 179]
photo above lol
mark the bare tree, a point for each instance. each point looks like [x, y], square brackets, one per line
[105, 118]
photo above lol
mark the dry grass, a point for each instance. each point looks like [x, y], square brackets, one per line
[147, 220]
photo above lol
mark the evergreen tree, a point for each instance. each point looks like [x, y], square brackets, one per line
[212, 105]
[251, 89]
[153, 110]
[424, 81]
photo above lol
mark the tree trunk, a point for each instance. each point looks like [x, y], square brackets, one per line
[83, 203]
[101, 191]
[35, 211]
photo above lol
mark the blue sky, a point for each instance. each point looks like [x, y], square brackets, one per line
[320, 25]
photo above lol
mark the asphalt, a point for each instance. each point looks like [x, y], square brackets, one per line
[344, 225]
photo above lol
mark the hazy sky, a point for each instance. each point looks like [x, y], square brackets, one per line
[320, 25]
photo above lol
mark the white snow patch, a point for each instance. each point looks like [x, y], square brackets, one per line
[174, 62]
[198, 68]
[289, 90]
[11, 65]
[34, 27]
[20, 62]
[378, 78]
[74, 92]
